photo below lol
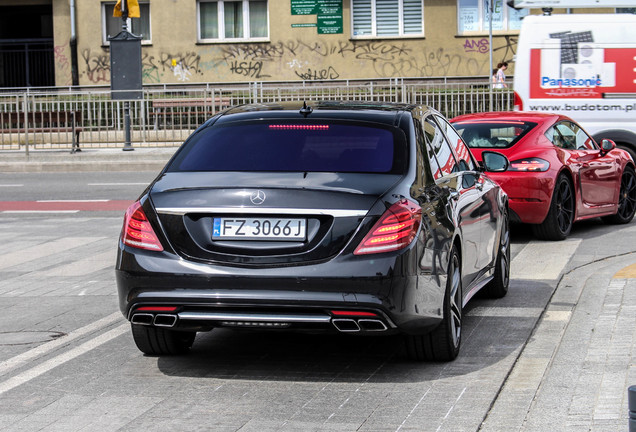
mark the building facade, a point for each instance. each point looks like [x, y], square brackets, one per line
[197, 41]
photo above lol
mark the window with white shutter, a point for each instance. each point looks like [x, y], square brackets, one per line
[387, 18]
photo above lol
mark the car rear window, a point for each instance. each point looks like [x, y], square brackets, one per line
[295, 147]
[493, 134]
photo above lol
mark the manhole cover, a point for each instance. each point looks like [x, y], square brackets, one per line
[27, 337]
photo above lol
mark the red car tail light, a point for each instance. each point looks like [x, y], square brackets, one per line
[529, 165]
[395, 230]
[138, 232]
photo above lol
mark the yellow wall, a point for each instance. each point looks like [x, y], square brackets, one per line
[293, 54]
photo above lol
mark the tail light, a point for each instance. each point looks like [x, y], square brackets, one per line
[518, 103]
[529, 165]
[351, 313]
[395, 230]
[138, 232]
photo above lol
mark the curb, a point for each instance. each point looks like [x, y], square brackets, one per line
[143, 159]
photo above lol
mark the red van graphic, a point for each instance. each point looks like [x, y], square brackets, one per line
[570, 64]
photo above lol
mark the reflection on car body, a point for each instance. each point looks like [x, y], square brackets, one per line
[351, 217]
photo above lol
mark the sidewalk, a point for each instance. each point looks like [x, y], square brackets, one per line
[88, 159]
[575, 370]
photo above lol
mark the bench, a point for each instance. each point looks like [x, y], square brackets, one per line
[43, 122]
[165, 108]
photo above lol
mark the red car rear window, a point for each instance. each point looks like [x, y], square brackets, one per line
[493, 134]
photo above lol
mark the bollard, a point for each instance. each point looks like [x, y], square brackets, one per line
[631, 405]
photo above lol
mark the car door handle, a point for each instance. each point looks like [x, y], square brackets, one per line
[479, 185]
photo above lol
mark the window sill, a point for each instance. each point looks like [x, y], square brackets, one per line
[486, 33]
[231, 41]
[386, 37]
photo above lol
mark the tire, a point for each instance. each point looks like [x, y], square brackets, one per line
[626, 199]
[161, 341]
[498, 287]
[443, 342]
[558, 223]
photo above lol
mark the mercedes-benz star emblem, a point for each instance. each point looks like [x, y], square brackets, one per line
[257, 197]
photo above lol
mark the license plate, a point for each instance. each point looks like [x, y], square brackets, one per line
[259, 229]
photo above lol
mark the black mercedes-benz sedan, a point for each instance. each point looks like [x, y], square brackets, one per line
[351, 217]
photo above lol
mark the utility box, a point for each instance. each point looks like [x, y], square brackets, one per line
[125, 66]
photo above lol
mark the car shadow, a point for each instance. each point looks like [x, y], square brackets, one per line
[586, 229]
[493, 331]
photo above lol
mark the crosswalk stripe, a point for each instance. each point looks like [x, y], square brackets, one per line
[84, 266]
[543, 260]
[33, 253]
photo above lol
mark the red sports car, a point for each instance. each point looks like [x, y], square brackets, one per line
[558, 174]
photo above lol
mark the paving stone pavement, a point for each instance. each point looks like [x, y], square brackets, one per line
[575, 370]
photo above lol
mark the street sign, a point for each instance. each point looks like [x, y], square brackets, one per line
[125, 66]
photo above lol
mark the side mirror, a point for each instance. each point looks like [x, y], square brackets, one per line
[607, 145]
[494, 162]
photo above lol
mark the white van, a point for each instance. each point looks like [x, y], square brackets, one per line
[583, 66]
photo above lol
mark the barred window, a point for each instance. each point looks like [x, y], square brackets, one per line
[387, 18]
[224, 20]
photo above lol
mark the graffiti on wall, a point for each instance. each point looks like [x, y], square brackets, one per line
[62, 65]
[477, 45]
[507, 51]
[298, 59]
[96, 66]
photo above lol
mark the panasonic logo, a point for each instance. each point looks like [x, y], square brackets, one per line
[570, 82]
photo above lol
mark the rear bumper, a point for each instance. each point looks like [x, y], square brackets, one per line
[354, 294]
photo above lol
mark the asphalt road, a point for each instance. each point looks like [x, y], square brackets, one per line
[68, 362]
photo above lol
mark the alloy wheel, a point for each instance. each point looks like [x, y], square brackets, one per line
[627, 197]
[455, 301]
[565, 206]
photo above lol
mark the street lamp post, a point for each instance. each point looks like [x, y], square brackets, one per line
[124, 26]
[125, 69]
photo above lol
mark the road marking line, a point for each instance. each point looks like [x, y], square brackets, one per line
[117, 184]
[628, 272]
[40, 211]
[43, 368]
[11, 185]
[19, 360]
[505, 312]
[413, 409]
[73, 201]
[543, 260]
[84, 266]
[42, 250]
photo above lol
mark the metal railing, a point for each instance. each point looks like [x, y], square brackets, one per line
[166, 115]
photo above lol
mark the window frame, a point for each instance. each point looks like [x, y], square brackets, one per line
[105, 16]
[221, 23]
[483, 22]
[400, 35]
[459, 147]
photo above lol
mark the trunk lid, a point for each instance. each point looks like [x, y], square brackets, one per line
[266, 218]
